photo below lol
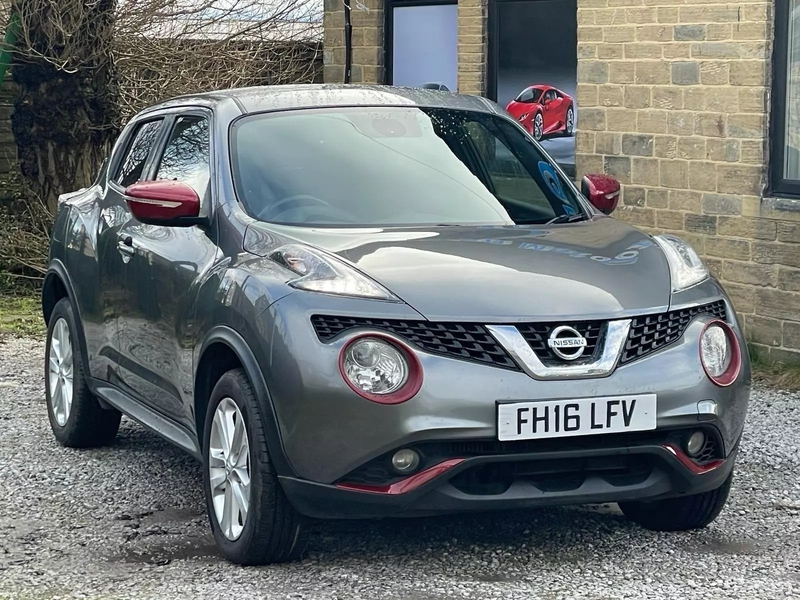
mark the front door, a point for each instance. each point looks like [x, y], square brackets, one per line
[552, 111]
[162, 276]
[136, 149]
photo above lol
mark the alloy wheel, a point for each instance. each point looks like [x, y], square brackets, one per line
[570, 120]
[229, 468]
[60, 372]
[537, 127]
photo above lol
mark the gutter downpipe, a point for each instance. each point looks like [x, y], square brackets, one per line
[348, 42]
[10, 40]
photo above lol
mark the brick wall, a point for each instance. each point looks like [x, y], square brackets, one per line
[673, 101]
[472, 46]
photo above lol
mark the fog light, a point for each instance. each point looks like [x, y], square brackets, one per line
[695, 443]
[405, 461]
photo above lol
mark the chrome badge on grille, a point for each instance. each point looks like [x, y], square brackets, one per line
[567, 343]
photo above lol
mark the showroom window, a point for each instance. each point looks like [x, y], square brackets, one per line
[533, 69]
[785, 135]
[422, 43]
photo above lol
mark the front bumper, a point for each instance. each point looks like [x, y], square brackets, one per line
[328, 432]
[661, 474]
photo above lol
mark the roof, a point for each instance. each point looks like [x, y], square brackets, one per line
[285, 97]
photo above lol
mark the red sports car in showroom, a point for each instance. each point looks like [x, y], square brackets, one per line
[544, 111]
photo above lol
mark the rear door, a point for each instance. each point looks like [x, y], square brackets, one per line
[162, 276]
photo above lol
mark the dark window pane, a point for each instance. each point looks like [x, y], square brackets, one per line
[132, 167]
[186, 155]
[394, 166]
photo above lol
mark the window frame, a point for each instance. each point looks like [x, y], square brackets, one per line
[779, 185]
[168, 118]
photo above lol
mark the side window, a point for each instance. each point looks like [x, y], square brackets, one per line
[132, 167]
[186, 155]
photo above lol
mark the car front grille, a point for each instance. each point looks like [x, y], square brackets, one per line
[653, 332]
[473, 342]
[537, 334]
[455, 340]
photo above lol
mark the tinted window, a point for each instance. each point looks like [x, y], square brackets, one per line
[529, 96]
[393, 166]
[186, 155]
[132, 167]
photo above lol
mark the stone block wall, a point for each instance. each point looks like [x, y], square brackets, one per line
[673, 101]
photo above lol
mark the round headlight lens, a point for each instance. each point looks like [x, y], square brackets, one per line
[375, 366]
[715, 350]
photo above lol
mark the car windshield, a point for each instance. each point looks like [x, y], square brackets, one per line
[529, 96]
[394, 166]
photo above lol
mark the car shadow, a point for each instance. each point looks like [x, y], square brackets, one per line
[177, 528]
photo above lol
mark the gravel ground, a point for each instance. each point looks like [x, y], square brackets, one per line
[128, 522]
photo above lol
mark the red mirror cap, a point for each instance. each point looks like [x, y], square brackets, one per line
[602, 191]
[162, 201]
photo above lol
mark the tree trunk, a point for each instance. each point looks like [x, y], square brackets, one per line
[66, 106]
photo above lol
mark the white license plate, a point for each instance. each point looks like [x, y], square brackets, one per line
[585, 416]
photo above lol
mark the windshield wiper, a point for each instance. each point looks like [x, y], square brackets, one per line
[565, 218]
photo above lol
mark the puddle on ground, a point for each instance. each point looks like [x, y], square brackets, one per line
[723, 547]
[163, 554]
[169, 515]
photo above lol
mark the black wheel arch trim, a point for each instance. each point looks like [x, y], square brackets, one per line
[56, 269]
[234, 340]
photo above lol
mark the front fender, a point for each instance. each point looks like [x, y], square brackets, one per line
[229, 303]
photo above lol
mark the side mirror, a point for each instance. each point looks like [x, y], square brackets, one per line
[164, 202]
[602, 191]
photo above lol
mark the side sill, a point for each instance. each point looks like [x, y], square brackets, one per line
[137, 411]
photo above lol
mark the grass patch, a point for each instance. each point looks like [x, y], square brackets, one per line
[772, 373]
[21, 315]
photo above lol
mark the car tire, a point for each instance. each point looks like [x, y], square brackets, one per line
[679, 514]
[569, 123]
[271, 530]
[538, 127]
[76, 416]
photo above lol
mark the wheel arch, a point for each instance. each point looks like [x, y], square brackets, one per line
[57, 286]
[222, 350]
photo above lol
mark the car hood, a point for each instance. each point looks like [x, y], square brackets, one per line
[601, 268]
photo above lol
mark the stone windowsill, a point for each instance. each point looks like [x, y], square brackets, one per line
[780, 208]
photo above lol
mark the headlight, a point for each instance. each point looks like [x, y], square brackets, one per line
[686, 268]
[523, 117]
[720, 353]
[320, 272]
[380, 370]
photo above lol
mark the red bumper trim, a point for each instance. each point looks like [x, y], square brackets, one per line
[404, 485]
[689, 463]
